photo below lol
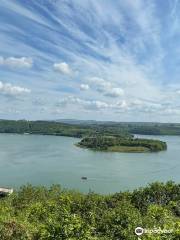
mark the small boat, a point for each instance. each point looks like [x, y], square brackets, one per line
[5, 191]
[84, 178]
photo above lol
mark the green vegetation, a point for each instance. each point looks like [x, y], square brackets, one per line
[39, 213]
[128, 149]
[86, 128]
[115, 137]
[145, 128]
[119, 144]
[57, 128]
[155, 129]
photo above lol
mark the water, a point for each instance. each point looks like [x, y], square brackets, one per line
[46, 160]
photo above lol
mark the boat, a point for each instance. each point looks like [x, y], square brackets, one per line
[5, 191]
[84, 178]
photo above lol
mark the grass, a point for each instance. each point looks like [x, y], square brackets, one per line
[128, 149]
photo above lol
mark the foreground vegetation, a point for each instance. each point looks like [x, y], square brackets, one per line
[37, 213]
[119, 144]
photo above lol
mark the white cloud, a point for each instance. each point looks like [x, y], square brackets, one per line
[14, 62]
[114, 92]
[171, 111]
[84, 87]
[99, 83]
[105, 87]
[10, 90]
[86, 104]
[63, 68]
[1, 60]
[178, 91]
[95, 105]
[123, 105]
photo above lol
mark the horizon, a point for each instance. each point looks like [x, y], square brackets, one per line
[84, 120]
[102, 60]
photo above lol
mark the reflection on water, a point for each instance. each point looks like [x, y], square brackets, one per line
[51, 159]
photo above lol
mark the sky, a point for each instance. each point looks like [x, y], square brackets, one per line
[115, 60]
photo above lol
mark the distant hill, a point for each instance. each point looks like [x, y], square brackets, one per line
[86, 122]
[90, 122]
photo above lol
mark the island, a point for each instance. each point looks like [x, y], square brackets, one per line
[122, 144]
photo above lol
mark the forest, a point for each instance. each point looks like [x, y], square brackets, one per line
[85, 128]
[41, 213]
[57, 128]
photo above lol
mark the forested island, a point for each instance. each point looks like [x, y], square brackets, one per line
[41, 213]
[122, 144]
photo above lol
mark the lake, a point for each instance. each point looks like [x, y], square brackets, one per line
[47, 160]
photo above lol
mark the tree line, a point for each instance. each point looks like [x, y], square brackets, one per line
[85, 128]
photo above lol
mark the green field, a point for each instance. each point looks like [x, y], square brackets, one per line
[128, 149]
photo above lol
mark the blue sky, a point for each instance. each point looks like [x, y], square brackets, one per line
[90, 59]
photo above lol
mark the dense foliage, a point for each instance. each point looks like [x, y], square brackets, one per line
[106, 143]
[37, 213]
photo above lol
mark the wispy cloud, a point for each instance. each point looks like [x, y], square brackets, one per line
[14, 62]
[105, 87]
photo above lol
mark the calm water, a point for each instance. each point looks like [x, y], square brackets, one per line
[50, 159]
